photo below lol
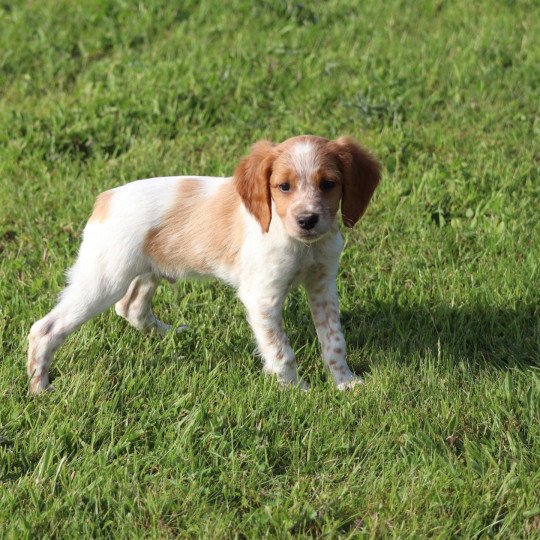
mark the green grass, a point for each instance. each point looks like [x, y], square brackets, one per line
[439, 283]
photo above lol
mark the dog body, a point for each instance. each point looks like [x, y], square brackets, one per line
[265, 230]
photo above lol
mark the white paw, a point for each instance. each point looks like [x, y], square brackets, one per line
[299, 384]
[350, 384]
[36, 388]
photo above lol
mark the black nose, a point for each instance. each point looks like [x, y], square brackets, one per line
[307, 221]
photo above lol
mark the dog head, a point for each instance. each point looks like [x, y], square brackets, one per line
[307, 178]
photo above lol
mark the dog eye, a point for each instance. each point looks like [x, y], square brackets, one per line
[327, 185]
[284, 187]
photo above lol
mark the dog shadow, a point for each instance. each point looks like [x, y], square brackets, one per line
[475, 335]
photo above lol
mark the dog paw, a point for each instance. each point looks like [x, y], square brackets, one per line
[350, 384]
[37, 388]
[299, 384]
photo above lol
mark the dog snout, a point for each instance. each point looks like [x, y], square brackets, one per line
[307, 221]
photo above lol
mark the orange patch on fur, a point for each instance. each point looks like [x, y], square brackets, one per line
[251, 178]
[101, 207]
[199, 232]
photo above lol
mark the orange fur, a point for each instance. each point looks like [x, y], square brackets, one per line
[199, 231]
[252, 177]
[101, 207]
[361, 174]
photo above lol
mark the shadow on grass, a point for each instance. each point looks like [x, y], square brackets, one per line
[477, 335]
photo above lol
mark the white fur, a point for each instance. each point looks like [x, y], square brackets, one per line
[211, 184]
[112, 268]
[304, 159]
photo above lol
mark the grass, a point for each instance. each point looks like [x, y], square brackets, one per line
[439, 283]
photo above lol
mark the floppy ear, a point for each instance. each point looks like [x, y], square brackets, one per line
[252, 181]
[361, 174]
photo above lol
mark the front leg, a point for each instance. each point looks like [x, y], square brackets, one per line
[324, 304]
[265, 318]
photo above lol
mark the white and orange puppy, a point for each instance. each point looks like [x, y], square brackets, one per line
[266, 229]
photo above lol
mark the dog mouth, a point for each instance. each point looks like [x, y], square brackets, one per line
[310, 235]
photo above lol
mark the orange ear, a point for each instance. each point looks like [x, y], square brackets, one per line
[361, 174]
[252, 181]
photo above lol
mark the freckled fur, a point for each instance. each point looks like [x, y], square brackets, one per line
[243, 230]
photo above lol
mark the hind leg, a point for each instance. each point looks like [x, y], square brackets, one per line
[85, 297]
[135, 306]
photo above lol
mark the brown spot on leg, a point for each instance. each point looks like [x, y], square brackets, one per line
[338, 350]
[272, 336]
[47, 328]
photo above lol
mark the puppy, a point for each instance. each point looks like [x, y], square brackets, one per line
[266, 229]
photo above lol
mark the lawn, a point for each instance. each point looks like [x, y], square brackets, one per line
[439, 283]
